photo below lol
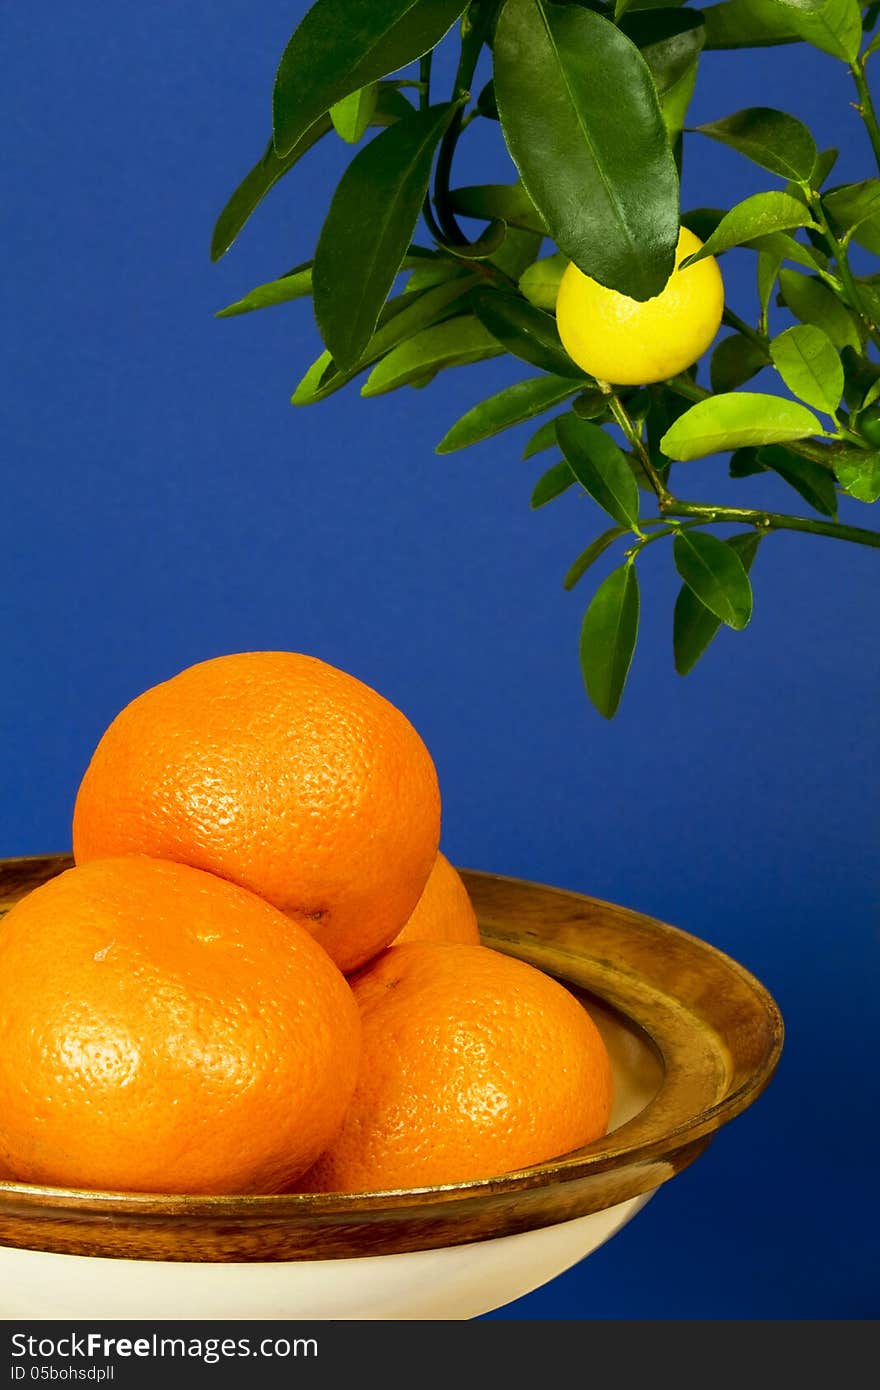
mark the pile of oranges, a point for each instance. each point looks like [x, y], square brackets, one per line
[262, 976]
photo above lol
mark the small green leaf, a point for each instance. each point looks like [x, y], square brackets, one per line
[746, 24]
[859, 475]
[517, 251]
[455, 343]
[551, 484]
[731, 421]
[669, 40]
[769, 266]
[735, 360]
[787, 248]
[757, 216]
[582, 121]
[835, 26]
[486, 103]
[368, 229]
[745, 463]
[811, 301]
[702, 221]
[543, 438]
[675, 103]
[771, 138]
[352, 115]
[253, 188]
[716, 574]
[540, 281]
[590, 405]
[600, 467]
[512, 406]
[608, 638]
[695, 625]
[343, 45]
[400, 320]
[855, 208]
[825, 162]
[487, 244]
[588, 557]
[508, 202]
[525, 331]
[296, 285]
[805, 358]
[814, 483]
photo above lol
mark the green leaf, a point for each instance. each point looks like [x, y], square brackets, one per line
[343, 45]
[401, 319]
[859, 475]
[608, 638]
[805, 358]
[669, 40]
[703, 221]
[391, 105]
[735, 360]
[755, 217]
[787, 248]
[814, 483]
[675, 103]
[716, 574]
[746, 24]
[525, 331]
[855, 208]
[825, 162]
[508, 202]
[296, 285]
[486, 245]
[368, 229]
[436, 270]
[511, 406]
[768, 268]
[590, 404]
[731, 421]
[694, 625]
[352, 115]
[600, 467]
[588, 557]
[519, 249]
[582, 121]
[776, 141]
[835, 26]
[455, 343]
[745, 463]
[540, 281]
[811, 301]
[543, 438]
[551, 484]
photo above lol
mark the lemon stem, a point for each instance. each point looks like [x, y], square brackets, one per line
[632, 433]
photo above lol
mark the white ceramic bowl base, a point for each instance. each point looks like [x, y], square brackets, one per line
[456, 1282]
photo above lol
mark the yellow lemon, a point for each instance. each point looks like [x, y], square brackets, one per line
[630, 343]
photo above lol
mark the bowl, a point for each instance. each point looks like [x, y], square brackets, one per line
[693, 1038]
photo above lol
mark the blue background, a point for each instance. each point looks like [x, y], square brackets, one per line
[162, 502]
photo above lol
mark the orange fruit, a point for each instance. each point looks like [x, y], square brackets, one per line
[444, 912]
[282, 774]
[473, 1064]
[161, 1030]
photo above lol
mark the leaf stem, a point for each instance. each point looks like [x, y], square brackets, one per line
[865, 106]
[754, 335]
[772, 521]
[474, 32]
[633, 436]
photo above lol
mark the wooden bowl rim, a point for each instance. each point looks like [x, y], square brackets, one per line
[565, 1169]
